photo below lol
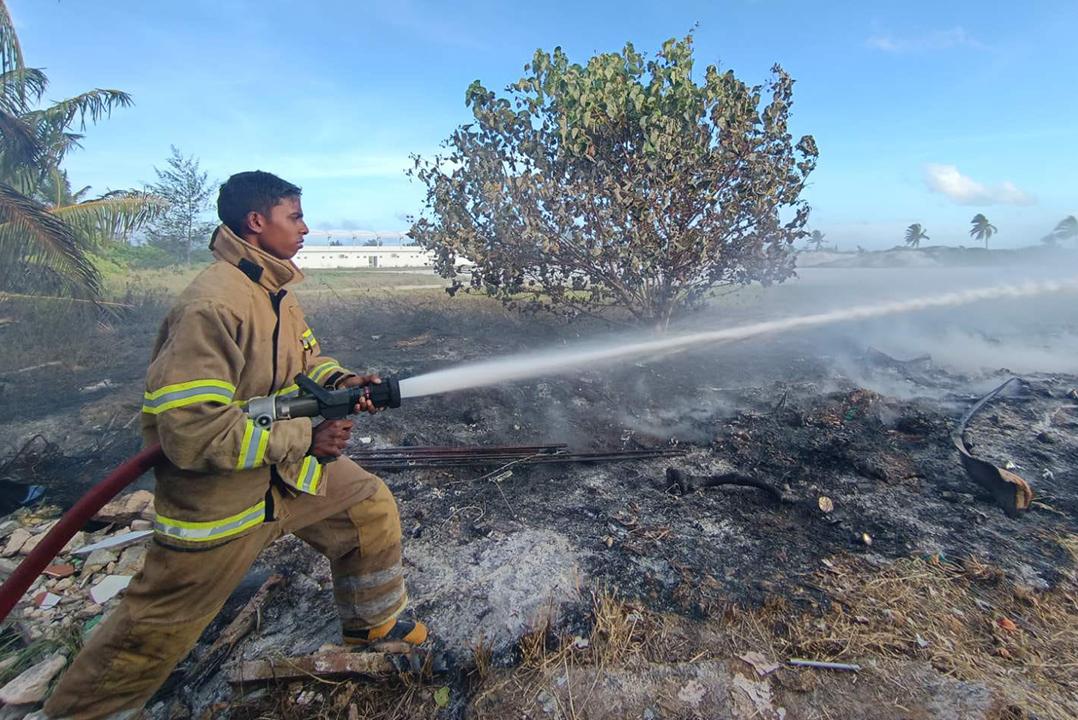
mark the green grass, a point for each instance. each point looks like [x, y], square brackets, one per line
[171, 281]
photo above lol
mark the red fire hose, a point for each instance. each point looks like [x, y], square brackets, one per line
[73, 521]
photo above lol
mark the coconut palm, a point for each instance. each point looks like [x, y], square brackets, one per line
[915, 234]
[816, 239]
[44, 234]
[1067, 229]
[982, 229]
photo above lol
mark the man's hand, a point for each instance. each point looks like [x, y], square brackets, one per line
[364, 405]
[330, 438]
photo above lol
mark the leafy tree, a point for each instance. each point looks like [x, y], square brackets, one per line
[982, 229]
[186, 191]
[915, 234]
[45, 230]
[816, 239]
[1066, 229]
[619, 183]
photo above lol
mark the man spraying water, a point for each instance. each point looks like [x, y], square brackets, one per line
[231, 485]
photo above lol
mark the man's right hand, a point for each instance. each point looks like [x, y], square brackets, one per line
[330, 438]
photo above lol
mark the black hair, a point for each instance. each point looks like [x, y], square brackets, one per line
[252, 191]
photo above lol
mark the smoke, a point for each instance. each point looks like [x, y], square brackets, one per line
[547, 363]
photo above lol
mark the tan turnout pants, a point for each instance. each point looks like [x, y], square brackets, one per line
[178, 593]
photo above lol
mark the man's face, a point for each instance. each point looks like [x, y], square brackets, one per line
[281, 232]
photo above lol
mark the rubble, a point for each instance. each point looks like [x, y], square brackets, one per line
[109, 587]
[137, 505]
[32, 684]
[84, 580]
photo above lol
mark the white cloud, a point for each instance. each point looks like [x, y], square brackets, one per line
[932, 40]
[964, 190]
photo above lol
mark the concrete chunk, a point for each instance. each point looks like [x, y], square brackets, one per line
[33, 683]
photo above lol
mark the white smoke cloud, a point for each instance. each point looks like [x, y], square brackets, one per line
[964, 190]
[930, 40]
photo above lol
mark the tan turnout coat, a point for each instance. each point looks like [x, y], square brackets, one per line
[235, 333]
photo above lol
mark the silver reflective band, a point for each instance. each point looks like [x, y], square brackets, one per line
[183, 394]
[369, 580]
[213, 529]
[371, 608]
[310, 472]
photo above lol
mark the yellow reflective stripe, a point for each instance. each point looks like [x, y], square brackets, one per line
[310, 473]
[288, 390]
[208, 382]
[252, 447]
[187, 393]
[321, 372]
[213, 529]
[308, 339]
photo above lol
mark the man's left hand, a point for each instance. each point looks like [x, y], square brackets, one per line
[364, 405]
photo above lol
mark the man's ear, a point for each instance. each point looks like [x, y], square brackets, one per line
[255, 222]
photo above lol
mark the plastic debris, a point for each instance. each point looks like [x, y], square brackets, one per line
[114, 541]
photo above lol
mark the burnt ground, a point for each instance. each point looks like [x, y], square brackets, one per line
[815, 416]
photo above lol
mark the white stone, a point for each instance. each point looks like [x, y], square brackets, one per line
[98, 559]
[132, 560]
[15, 542]
[33, 683]
[109, 588]
[77, 541]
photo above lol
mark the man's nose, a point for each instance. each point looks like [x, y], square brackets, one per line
[303, 228]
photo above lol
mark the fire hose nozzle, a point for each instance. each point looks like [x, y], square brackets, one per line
[386, 394]
[315, 400]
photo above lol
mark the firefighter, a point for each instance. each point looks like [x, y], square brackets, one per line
[230, 488]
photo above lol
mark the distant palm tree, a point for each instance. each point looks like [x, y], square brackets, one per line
[915, 234]
[45, 229]
[816, 239]
[982, 229]
[1067, 229]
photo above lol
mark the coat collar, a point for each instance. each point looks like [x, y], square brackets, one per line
[269, 272]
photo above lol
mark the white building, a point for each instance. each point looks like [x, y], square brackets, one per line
[325, 257]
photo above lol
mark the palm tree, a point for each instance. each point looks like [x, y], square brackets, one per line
[982, 229]
[1067, 229]
[816, 239]
[45, 229]
[915, 234]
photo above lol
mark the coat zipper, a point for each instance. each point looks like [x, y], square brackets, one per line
[275, 300]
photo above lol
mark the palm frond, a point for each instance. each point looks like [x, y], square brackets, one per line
[89, 106]
[19, 144]
[19, 89]
[33, 238]
[112, 216]
[10, 50]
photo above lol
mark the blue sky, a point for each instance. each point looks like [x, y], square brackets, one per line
[923, 111]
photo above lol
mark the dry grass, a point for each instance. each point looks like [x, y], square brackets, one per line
[965, 619]
[403, 698]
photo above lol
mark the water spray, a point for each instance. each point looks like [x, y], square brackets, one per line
[520, 367]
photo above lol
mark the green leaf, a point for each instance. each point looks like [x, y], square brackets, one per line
[441, 697]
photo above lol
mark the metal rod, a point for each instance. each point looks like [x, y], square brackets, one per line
[801, 662]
